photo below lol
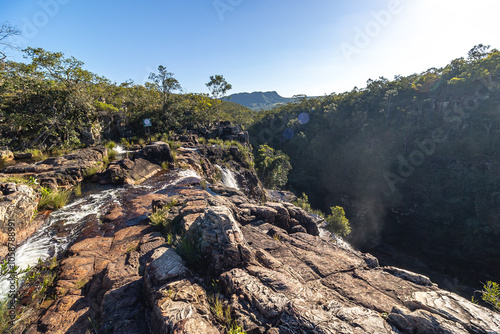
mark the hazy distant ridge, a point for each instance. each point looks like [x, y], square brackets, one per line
[260, 100]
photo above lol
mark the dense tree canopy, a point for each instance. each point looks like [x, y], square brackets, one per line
[414, 160]
[51, 100]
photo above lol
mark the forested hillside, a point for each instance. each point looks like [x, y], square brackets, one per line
[53, 101]
[413, 160]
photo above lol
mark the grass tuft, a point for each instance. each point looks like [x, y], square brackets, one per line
[53, 199]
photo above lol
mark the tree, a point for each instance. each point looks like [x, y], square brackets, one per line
[6, 31]
[272, 167]
[338, 222]
[478, 52]
[218, 88]
[165, 83]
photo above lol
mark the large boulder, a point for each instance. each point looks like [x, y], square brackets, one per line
[127, 171]
[18, 203]
[219, 238]
[156, 152]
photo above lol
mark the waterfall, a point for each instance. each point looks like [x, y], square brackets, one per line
[228, 177]
[61, 228]
[119, 149]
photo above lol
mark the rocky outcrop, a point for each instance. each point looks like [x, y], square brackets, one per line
[223, 259]
[18, 204]
[156, 152]
[127, 171]
[225, 131]
[144, 164]
[64, 171]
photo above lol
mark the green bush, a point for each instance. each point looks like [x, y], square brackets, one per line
[491, 295]
[77, 190]
[272, 167]
[337, 221]
[90, 171]
[159, 218]
[112, 155]
[53, 199]
[190, 252]
[110, 145]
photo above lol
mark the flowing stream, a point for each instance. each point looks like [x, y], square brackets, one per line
[61, 228]
[228, 177]
[64, 225]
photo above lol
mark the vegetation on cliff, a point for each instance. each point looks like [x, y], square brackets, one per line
[53, 101]
[413, 160]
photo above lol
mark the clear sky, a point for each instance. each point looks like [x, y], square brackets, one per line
[294, 47]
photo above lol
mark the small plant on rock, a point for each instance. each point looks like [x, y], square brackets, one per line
[338, 222]
[53, 199]
[491, 294]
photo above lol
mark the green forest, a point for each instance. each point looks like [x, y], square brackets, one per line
[413, 160]
[52, 101]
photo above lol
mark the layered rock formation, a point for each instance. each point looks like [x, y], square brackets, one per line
[236, 263]
[64, 171]
[144, 164]
[18, 204]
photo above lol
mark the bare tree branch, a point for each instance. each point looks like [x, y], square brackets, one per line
[7, 30]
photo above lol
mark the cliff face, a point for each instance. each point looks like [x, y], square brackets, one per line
[237, 264]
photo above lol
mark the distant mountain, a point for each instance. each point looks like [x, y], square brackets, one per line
[260, 100]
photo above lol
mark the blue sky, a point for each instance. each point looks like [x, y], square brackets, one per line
[294, 47]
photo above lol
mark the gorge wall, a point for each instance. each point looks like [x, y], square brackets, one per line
[231, 260]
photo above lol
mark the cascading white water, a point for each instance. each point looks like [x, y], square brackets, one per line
[50, 241]
[228, 177]
[119, 149]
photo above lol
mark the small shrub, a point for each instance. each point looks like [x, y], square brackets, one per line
[77, 190]
[5, 320]
[159, 218]
[303, 203]
[38, 155]
[491, 294]
[189, 251]
[110, 145]
[165, 165]
[337, 221]
[202, 140]
[53, 199]
[124, 142]
[222, 313]
[112, 155]
[90, 171]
